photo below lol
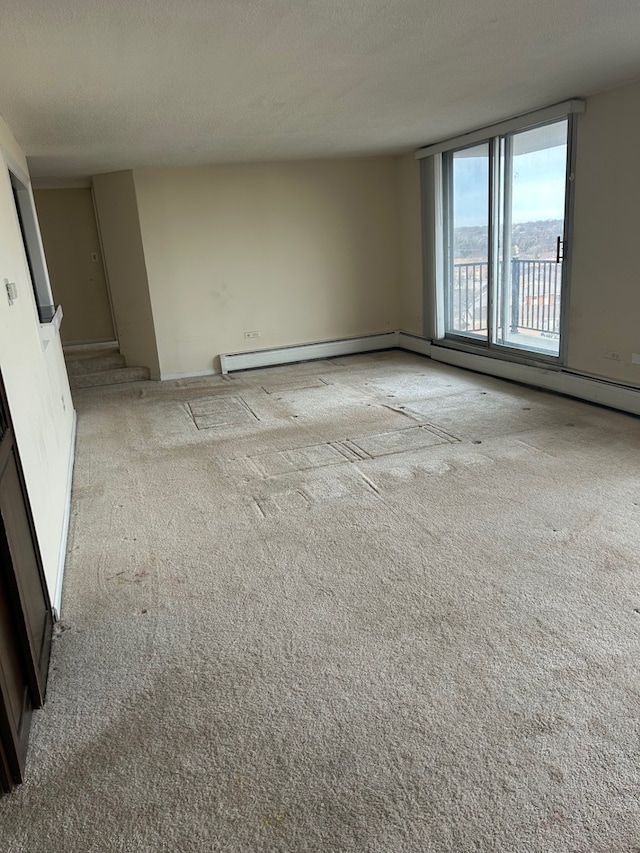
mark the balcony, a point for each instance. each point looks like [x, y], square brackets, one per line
[528, 310]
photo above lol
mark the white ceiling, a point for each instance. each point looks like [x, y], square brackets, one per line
[91, 86]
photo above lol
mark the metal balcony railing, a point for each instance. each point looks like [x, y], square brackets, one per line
[470, 297]
[534, 298]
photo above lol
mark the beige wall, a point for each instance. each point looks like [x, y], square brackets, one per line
[117, 214]
[604, 299]
[309, 251]
[70, 236]
[410, 300]
[605, 287]
[35, 378]
[300, 252]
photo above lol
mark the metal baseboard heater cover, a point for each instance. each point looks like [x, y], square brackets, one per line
[563, 381]
[307, 352]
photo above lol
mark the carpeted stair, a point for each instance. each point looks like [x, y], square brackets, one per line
[89, 367]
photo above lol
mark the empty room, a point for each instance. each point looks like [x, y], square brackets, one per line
[319, 427]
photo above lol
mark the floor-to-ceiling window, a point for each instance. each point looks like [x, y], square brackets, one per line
[503, 235]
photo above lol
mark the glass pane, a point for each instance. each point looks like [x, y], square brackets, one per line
[467, 290]
[532, 222]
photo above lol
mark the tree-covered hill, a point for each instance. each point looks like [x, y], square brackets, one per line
[529, 240]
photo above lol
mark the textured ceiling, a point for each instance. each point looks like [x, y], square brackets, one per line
[91, 86]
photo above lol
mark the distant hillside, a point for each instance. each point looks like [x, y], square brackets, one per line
[530, 240]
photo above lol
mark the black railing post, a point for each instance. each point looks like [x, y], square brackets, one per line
[515, 294]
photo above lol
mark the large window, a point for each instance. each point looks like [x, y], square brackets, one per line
[503, 235]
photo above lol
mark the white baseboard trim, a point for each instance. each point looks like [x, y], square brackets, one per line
[62, 556]
[573, 384]
[164, 377]
[307, 352]
[414, 343]
[563, 381]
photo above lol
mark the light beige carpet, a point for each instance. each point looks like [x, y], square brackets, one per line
[368, 604]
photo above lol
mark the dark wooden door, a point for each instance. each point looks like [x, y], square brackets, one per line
[25, 611]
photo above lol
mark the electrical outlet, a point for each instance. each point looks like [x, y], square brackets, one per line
[635, 358]
[613, 354]
[252, 334]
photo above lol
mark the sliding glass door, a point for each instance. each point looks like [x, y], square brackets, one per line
[504, 212]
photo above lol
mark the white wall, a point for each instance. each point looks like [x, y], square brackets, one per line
[35, 378]
[605, 288]
[117, 214]
[300, 252]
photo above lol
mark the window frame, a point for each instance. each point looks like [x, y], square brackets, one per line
[434, 204]
[32, 244]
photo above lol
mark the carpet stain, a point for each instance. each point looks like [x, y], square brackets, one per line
[555, 818]
[540, 724]
[275, 821]
[555, 774]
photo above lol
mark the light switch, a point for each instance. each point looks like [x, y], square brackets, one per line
[12, 291]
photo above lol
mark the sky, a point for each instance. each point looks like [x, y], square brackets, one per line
[538, 187]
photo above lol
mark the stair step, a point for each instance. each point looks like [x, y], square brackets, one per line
[94, 364]
[109, 377]
[74, 351]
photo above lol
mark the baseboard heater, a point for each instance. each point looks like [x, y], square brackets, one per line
[572, 384]
[307, 352]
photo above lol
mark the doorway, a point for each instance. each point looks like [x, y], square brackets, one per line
[73, 251]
